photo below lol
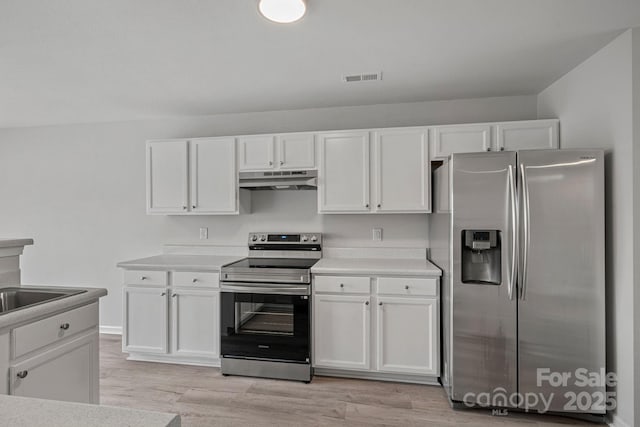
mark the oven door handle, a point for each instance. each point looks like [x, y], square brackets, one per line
[271, 290]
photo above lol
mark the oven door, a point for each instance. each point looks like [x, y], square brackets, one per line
[264, 325]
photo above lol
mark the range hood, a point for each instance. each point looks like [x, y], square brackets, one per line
[279, 180]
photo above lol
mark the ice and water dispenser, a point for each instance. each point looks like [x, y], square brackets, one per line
[481, 257]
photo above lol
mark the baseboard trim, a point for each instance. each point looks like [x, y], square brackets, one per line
[376, 376]
[111, 330]
[616, 421]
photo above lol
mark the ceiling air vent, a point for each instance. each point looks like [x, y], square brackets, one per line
[367, 77]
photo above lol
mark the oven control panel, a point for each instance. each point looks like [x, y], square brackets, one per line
[285, 238]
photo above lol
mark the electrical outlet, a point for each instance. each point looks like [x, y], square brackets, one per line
[204, 233]
[377, 234]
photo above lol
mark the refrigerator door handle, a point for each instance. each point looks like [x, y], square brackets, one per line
[525, 229]
[514, 232]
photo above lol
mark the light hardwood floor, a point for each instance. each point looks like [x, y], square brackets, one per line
[203, 397]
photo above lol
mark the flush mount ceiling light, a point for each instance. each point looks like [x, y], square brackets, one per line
[282, 11]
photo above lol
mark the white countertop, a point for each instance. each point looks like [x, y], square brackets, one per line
[180, 262]
[376, 266]
[28, 412]
[30, 314]
[10, 243]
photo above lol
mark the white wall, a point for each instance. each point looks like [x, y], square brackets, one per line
[594, 105]
[79, 190]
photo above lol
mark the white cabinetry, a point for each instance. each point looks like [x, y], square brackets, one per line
[172, 316]
[401, 170]
[343, 172]
[53, 358]
[389, 332]
[267, 152]
[506, 136]
[342, 331]
[196, 176]
[441, 199]
[394, 180]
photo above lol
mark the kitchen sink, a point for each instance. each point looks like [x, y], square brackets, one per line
[12, 299]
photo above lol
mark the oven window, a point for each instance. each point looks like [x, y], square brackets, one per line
[261, 318]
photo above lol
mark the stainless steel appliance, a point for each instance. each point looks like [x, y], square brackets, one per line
[522, 251]
[279, 180]
[266, 307]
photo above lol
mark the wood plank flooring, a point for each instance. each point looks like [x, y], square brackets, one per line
[203, 397]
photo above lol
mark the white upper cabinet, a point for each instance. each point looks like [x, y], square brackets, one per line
[196, 176]
[213, 175]
[167, 176]
[296, 151]
[344, 172]
[256, 152]
[527, 135]
[461, 139]
[401, 170]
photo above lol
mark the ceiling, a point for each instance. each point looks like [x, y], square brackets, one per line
[74, 61]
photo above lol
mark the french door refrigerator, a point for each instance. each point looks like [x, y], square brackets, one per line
[523, 284]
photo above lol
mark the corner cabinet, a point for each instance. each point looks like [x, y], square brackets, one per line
[395, 179]
[192, 176]
[377, 327]
[172, 316]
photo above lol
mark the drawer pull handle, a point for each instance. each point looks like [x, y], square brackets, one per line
[194, 280]
[163, 294]
[23, 374]
[143, 277]
[406, 287]
[342, 285]
[64, 326]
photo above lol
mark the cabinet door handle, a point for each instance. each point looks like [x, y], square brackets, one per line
[163, 294]
[270, 163]
[184, 208]
[488, 148]
[193, 206]
[379, 205]
[174, 295]
[501, 148]
[64, 326]
[342, 285]
[23, 374]
[406, 287]
[366, 303]
[194, 280]
[281, 162]
[380, 303]
[367, 206]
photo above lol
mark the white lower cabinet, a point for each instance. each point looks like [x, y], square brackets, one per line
[53, 358]
[176, 319]
[195, 323]
[342, 331]
[400, 348]
[67, 372]
[393, 329]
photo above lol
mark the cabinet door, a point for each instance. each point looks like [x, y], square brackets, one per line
[461, 139]
[407, 335]
[401, 171]
[342, 331]
[256, 152]
[145, 326]
[69, 372]
[167, 176]
[344, 172]
[296, 151]
[528, 135]
[195, 328]
[213, 176]
[4, 362]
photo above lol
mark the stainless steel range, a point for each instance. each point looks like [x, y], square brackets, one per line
[266, 307]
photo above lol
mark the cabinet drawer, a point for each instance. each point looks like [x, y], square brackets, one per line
[145, 277]
[52, 329]
[346, 284]
[194, 279]
[407, 286]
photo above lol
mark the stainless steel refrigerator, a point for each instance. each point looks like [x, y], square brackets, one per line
[522, 250]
